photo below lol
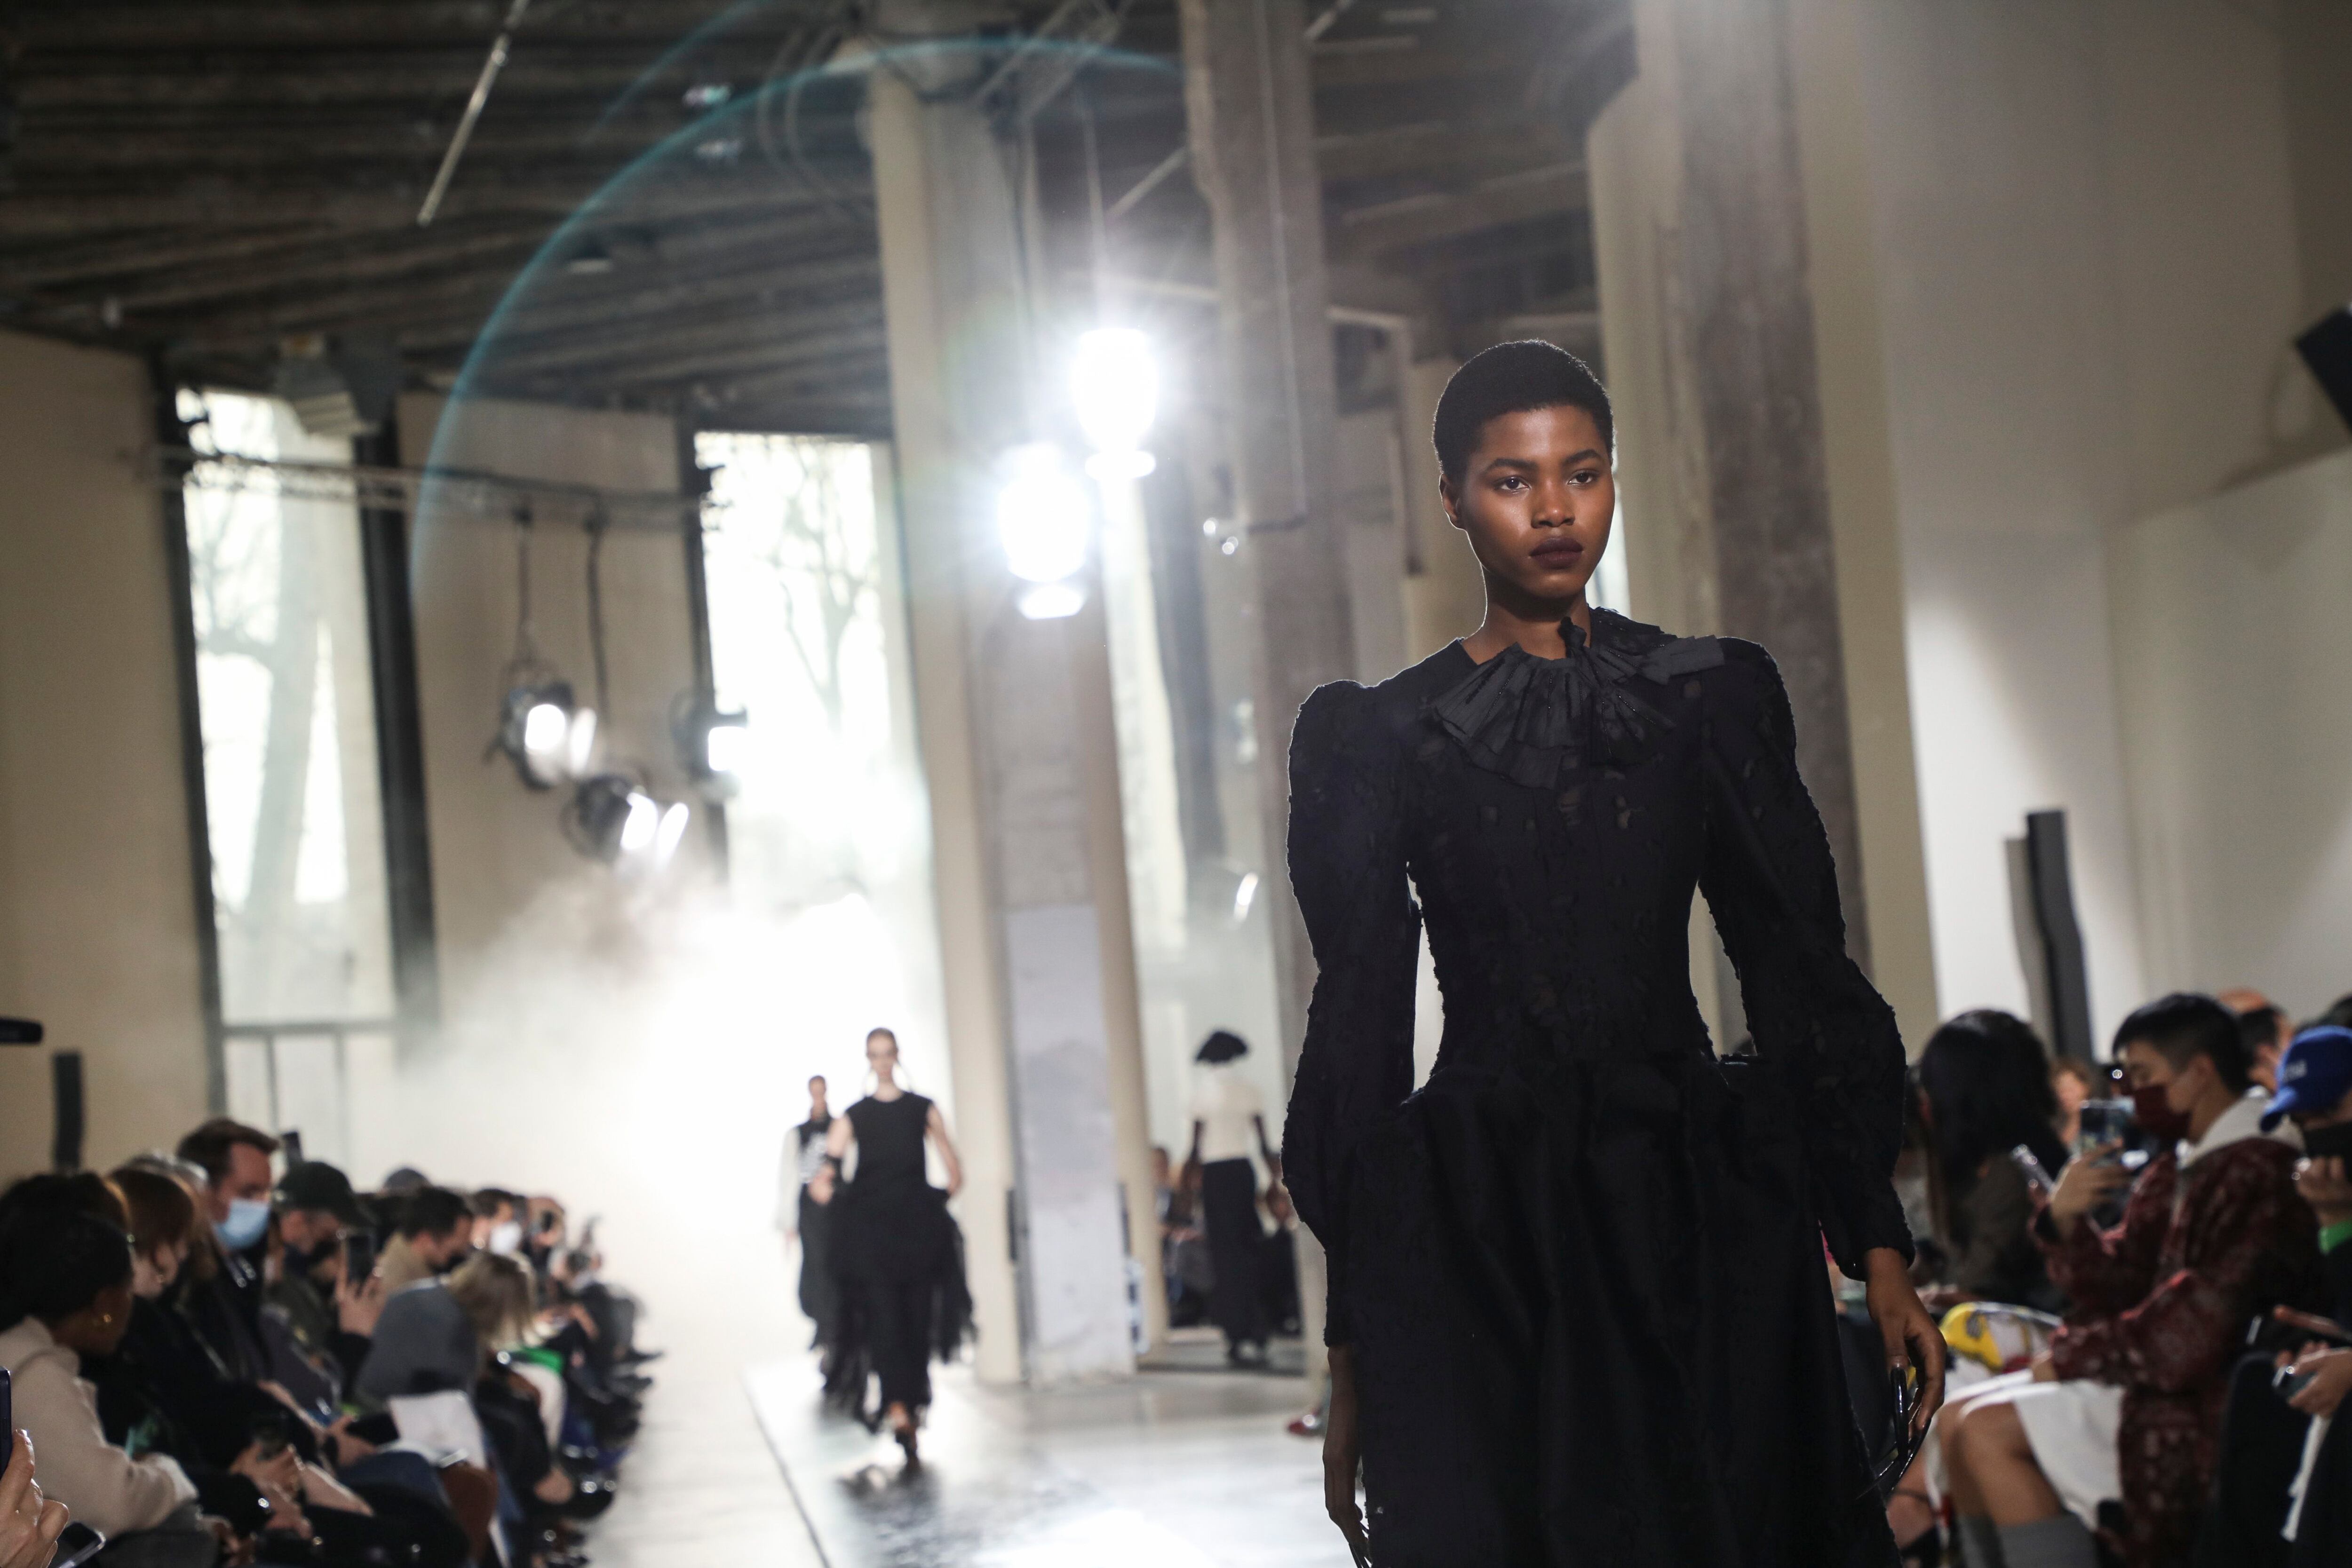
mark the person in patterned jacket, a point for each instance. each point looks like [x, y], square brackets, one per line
[2127, 1402]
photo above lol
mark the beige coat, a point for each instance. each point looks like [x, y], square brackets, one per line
[400, 1265]
[106, 1489]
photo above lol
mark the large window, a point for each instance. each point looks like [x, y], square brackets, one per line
[287, 713]
[829, 835]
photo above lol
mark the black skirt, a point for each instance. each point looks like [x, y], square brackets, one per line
[1605, 1289]
[1229, 1204]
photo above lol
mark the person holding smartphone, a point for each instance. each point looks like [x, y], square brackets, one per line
[30, 1523]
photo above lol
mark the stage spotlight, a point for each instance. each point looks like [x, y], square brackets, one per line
[672, 830]
[1042, 516]
[537, 726]
[1116, 388]
[713, 743]
[640, 824]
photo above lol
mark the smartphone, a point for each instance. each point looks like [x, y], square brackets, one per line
[76, 1544]
[2290, 1383]
[2028, 1165]
[359, 1256]
[290, 1141]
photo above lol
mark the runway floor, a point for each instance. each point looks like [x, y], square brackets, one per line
[1186, 1466]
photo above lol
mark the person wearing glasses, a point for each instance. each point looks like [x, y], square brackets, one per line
[1576, 1311]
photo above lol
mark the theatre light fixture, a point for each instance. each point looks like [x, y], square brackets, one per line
[712, 742]
[1115, 387]
[612, 818]
[1044, 519]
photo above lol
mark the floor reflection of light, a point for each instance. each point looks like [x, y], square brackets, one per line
[1114, 1535]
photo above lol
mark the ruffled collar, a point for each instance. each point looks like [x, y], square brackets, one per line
[1534, 721]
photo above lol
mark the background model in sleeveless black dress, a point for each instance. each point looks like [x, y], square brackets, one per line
[898, 1262]
[1581, 1268]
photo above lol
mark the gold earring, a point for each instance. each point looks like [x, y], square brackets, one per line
[106, 1317]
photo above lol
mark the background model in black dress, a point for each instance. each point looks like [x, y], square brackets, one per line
[897, 1261]
[1581, 1268]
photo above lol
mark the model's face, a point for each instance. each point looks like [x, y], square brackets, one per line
[882, 1054]
[1537, 498]
[816, 1092]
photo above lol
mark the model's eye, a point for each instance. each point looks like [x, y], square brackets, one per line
[1585, 476]
[1511, 482]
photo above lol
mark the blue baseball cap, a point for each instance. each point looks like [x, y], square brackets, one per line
[2314, 1075]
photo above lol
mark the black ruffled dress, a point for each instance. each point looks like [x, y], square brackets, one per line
[896, 1255]
[1581, 1270]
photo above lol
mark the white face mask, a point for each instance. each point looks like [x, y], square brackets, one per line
[506, 1237]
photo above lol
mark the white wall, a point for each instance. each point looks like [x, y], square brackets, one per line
[2087, 271]
[2233, 638]
[98, 930]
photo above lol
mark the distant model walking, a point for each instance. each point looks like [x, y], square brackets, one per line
[897, 1256]
[803, 1209]
[1228, 1113]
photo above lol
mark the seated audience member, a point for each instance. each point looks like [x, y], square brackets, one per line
[2074, 1084]
[2126, 1404]
[225, 1304]
[65, 1294]
[2276, 1470]
[432, 1235]
[2268, 1031]
[328, 1319]
[497, 1221]
[1984, 1079]
[30, 1522]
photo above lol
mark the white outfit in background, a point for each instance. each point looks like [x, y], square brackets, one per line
[106, 1489]
[1227, 1105]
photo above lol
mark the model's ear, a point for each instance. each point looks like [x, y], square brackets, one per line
[1450, 494]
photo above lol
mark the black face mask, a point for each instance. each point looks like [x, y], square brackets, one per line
[2328, 1143]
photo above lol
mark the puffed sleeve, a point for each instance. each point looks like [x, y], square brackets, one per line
[1348, 869]
[1772, 885]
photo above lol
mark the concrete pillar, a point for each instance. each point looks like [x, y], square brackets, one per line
[1739, 315]
[1250, 122]
[1446, 595]
[1019, 755]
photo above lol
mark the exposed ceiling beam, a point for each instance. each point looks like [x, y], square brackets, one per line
[659, 338]
[1439, 145]
[1422, 220]
[87, 25]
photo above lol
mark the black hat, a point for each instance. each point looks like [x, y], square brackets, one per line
[314, 1183]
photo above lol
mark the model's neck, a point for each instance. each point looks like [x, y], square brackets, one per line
[1515, 619]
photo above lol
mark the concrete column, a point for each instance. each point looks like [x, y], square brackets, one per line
[1250, 122]
[1016, 736]
[1739, 316]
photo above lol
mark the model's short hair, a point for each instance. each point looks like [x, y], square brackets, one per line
[2186, 1025]
[885, 1031]
[209, 1145]
[1512, 378]
[433, 1211]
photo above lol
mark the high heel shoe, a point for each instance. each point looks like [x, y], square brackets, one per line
[905, 1431]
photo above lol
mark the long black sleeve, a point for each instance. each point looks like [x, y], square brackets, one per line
[1348, 869]
[1772, 886]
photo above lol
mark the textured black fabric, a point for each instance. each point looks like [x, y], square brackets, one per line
[1581, 1270]
[892, 1242]
[1229, 1210]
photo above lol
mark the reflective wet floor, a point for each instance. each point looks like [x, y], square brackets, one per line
[1175, 1470]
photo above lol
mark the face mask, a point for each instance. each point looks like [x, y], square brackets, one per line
[505, 1238]
[2328, 1143]
[2155, 1114]
[248, 1218]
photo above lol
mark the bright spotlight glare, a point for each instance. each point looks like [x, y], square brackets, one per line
[1052, 600]
[1042, 516]
[1121, 465]
[1245, 895]
[1116, 387]
[643, 822]
[723, 748]
[581, 742]
[672, 829]
[543, 730]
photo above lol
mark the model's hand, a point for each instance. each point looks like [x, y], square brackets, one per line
[1911, 1335]
[1343, 1455]
[29, 1523]
[2089, 1180]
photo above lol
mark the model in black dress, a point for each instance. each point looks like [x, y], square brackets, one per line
[1578, 1304]
[897, 1255]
